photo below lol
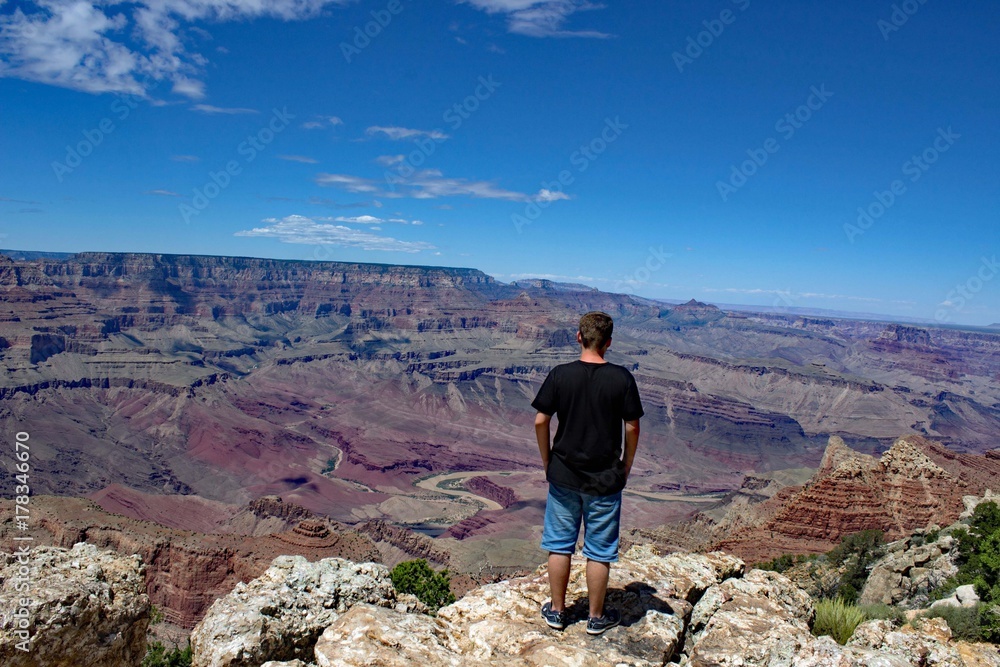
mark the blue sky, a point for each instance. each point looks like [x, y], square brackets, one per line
[825, 155]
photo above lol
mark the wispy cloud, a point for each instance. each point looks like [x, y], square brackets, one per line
[320, 122]
[162, 193]
[209, 109]
[389, 160]
[540, 18]
[303, 230]
[111, 46]
[431, 184]
[400, 133]
[19, 201]
[371, 220]
[185, 158]
[549, 276]
[792, 295]
[298, 158]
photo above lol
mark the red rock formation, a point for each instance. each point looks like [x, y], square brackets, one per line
[897, 493]
[501, 495]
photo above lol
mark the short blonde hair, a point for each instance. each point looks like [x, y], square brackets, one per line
[595, 329]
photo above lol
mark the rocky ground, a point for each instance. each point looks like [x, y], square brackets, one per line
[686, 609]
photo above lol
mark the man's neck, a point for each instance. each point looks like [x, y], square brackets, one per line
[592, 356]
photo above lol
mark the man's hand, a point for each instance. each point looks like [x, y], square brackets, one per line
[631, 443]
[542, 421]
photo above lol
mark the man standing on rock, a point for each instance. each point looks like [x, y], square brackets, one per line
[585, 467]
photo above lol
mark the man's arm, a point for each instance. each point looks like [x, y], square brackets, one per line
[631, 443]
[542, 434]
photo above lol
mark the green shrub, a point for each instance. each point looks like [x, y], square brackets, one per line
[416, 577]
[778, 564]
[883, 612]
[837, 619]
[157, 655]
[966, 623]
[856, 552]
[866, 542]
[155, 614]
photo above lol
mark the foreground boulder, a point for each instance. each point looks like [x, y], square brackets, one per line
[280, 615]
[697, 610]
[88, 606]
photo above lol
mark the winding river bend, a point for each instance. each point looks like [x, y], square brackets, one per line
[434, 482]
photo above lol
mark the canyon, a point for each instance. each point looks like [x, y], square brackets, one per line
[212, 412]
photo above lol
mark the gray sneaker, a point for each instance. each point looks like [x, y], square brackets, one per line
[555, 619]
[610, 619]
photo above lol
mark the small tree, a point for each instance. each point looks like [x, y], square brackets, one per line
[857, 552]
[979, 565]
[416, 577]
[157, 655]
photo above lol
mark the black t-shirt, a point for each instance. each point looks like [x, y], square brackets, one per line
[591, 401]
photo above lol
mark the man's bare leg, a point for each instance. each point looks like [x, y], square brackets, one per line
[558, 579]
[597, 585]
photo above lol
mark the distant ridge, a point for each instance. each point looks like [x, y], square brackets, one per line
[103, 255]
[537, 283]
[28, 255]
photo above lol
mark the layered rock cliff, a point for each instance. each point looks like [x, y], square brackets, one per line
[897, 493]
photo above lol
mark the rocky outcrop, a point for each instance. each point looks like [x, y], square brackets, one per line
[910, 571]
[483, 486]
[897, 493]
[697, 610]
[186, 571]
[280, 615]
[972, 502]
[927, 642]
[749, 621]
[692, 313]
[75, 602]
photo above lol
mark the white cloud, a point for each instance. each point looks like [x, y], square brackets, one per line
[431, 184]
[550, 276]
[209, 109]
[298, 158]
[162, 193]
[113, 46]
[540, 18]
[369, 220]
[389, 160]
[400, 133]
[320, 122]
[300, 229]
[185, 158]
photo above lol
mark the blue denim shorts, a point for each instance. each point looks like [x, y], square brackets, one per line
[601, 517]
